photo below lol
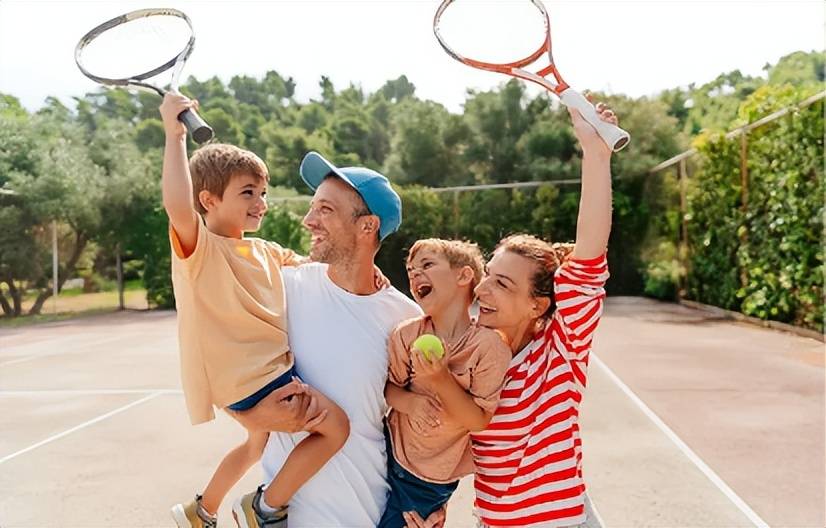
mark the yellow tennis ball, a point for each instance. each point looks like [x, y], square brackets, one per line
[430, 346]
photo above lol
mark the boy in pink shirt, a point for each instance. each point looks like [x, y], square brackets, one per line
[436, 403]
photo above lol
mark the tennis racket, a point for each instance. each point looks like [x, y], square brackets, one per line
[131, 49]
[495, 33]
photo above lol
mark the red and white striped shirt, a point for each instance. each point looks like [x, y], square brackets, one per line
[529, 459]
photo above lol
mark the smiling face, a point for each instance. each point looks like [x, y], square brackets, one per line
[229, 186]
[242, 206]
[434, 284]
[338, 221]
[509, 299]
[505, 294]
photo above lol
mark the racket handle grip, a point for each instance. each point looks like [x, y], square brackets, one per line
[615, 137]
[200, 131]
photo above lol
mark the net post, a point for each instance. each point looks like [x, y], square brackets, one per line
[119, 271]
[682, 249]
[54, 266]
[744, 199]
[456, 214]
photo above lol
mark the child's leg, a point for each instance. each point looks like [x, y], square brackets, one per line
[409, 493]
[232, 468]
[310, 455]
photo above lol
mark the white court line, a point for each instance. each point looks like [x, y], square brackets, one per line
[87, 392]
[79, 348]
[682, 446]
[79, 427]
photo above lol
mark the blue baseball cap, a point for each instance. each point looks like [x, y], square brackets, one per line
[373, 187]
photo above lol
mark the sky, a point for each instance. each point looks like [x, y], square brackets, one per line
[635, 47]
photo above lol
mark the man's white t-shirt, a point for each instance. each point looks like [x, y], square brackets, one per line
[339, 341]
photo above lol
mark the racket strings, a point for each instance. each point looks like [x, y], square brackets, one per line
[136, 47]
[496, 32]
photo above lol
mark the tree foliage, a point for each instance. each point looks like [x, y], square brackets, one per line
[94, 170]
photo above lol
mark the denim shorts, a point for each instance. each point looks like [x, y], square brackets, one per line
[251, 401]
[410, 493]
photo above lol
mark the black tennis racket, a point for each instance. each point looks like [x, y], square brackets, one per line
[133, 48]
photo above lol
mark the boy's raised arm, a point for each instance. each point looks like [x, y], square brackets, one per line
[176, 183]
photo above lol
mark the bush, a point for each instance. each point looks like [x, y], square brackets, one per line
[764, 258]
[662, 273]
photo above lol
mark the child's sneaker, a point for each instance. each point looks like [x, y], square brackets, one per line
[193, 515]
[247, 512]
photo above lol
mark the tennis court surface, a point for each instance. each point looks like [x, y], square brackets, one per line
[688, 420]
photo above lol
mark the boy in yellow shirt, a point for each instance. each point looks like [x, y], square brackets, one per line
[232, 324]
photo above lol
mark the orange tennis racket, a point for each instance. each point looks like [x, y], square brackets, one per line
[496, 32]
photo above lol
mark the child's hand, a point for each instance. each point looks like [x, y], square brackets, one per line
[425, 413]
[174, 104]
[428, 371]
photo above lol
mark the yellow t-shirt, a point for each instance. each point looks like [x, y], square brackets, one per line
[232, 318]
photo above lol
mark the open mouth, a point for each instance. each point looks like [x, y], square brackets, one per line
[423, 290]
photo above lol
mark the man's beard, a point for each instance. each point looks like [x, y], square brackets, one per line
[332, 253]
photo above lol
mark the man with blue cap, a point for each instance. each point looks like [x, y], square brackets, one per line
[339, 321]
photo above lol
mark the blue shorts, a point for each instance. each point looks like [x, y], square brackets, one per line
[251, 401]
[410, 493]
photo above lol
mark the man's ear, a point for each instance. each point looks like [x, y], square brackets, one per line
[370, 226]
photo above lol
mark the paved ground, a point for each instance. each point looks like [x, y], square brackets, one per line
[687, 421]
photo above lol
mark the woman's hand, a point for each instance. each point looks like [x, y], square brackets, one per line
[434, 520]
[590, 141]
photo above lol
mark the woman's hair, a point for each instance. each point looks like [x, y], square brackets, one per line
[546, 257]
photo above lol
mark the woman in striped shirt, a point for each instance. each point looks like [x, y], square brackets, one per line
[546, 300]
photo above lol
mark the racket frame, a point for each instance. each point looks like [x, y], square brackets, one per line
[616, 139]
[200, 131]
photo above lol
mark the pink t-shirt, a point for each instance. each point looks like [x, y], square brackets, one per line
[478, 360]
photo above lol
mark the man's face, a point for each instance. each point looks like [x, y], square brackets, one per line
[333, 221]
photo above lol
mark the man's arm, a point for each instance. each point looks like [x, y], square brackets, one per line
[291, 408]
[594, 221]
[176, 183]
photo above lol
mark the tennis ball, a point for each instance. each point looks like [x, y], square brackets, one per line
[430, 346]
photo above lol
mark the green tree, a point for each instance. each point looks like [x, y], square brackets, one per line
[398, 89]
[286, 147]
[497, 121]
[64, 186]
[425, 146]
[799, 69]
